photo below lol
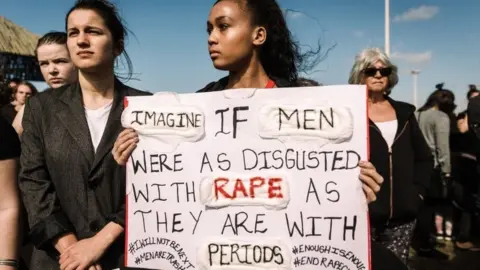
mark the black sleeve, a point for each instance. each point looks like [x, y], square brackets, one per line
[9, 141]
[118, 217]
[423, 158]
[45, 215]
[473, 112]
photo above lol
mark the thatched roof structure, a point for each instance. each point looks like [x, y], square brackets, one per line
[17, 52]
[15, 39]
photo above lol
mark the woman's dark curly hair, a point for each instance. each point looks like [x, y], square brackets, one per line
[280, 55]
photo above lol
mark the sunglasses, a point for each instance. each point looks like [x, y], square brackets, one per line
[371, 72]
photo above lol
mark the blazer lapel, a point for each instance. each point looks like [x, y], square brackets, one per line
[72, 115]
[113, 127]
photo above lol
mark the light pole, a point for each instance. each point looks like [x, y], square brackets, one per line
[387, 27]
[415, 77]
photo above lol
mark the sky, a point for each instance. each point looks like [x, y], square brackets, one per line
[168, 48]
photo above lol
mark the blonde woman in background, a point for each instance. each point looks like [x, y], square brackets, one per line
[398, 151]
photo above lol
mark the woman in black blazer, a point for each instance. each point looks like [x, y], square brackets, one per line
[73, 190]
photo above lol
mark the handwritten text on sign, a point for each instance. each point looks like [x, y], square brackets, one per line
[248, 179]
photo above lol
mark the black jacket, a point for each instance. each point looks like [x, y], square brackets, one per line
[66, 185]
[406, 169]
[473, 113]
[8, 111]
[9, 142]
[222, 84]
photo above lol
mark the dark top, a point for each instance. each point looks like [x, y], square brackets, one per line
[222, 84]
[9, 112]
[473, 113]
[406, 169]
[464, 170]
[66, 186]
[9, 142]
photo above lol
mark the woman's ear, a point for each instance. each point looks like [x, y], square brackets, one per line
[259, 36]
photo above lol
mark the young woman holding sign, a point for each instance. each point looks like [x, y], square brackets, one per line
[251, 40]
[74, 191]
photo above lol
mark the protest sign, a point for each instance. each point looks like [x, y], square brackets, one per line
[248, 179]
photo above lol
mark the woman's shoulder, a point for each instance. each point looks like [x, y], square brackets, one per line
[437, 114]
[402, 108]
[222, 84]
[214, 86]
[137, 92]
[49, 95]
[401, 104]
[130, 91]
[207, 88]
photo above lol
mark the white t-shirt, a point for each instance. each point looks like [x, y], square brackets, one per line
[388, 130]
[97, 121]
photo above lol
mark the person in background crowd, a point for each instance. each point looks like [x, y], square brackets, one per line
[397, 149]
[472, 91]
[21, 93]
[465, 184]
[54, 60]
[451, 114]
[9, 197]
[258, 52]
[13, 83]
[434, 120]
[55, 64]
[73, 190]
[473, 116]
[462, 122]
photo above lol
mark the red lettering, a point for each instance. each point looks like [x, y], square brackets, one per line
[219, 188]
[272, 188]
[253, 185]
[239, 187]
[257, 182]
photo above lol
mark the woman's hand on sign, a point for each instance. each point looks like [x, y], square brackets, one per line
[371, 179]
[124, 145]
[82, 255]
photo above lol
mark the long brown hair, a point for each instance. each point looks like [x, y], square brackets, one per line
[29, 85]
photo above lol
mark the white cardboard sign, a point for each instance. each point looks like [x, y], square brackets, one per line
[248, 179]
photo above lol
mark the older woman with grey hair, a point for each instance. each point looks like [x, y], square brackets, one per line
[397, 149]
